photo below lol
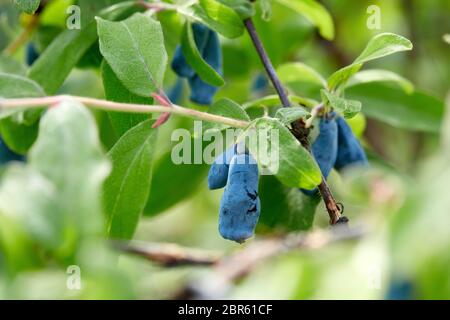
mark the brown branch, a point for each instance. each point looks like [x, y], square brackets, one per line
[266, 62]
[23, 37]
[239, 265]
[299, 129]
[26, 33]
[168, 255]
[228, 270]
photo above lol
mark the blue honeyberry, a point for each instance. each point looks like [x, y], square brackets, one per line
[240, 207]
[350, 152]
[260, 84]
[208, 44]
[213, 52]
[401, 290]
[7, 155]
[31, 54]
[202, 92]
[218, 173]
[175, 93]
[325, 148]
[179, 63]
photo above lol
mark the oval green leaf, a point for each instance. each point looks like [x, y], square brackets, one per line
[195, 60]
[127, 188]
[134, 48]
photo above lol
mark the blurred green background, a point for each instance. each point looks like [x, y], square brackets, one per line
[401, 200]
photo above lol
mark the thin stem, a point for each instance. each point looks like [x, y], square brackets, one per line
[266, 62]
[122, 107]
[330, 203]
[238, 265]
[23, 37]
[234, 266]
[229, 269]
[168, 255]
[314, 114]
[28, 30]
[298, 127]
[165, 102]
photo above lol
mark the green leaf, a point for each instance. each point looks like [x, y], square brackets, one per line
[341, 76]
[12, 66]
[315, 13]
[31, 200]
[266, 9]
[381, 45]
[228, 108]
[115, 91]
[127, 188]
[134, 48]
[27, 6]
[417, 111]
[289, 115]
[300, 72]
[90, 9]
[14, 86]
[243, 8]
[166, 176]
[284, 209]
[274, 101]
[378, 75]
[69, 154]
[195, 59]
[225, 108]
[18, 137]
[22, 228]
[57, 61]
[348, 108]
[285, 157]
[19, 128]
[216, 16]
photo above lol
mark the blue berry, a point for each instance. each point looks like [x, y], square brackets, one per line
[175, 93]
[260, 84]
[31, 54]
[350, 152]
[400, 290]
[201, 92]
[325, 148]
[179, 63]
[218, 173]
[240, 207]
[208, 44]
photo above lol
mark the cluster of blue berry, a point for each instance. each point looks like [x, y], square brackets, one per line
[336, 147]
[208, 45]
[240, 206]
